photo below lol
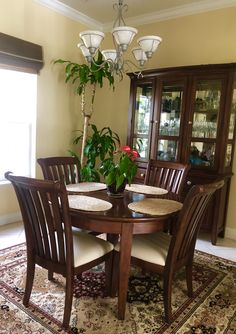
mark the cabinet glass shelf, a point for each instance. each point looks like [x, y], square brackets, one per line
[143, 107]
[206, 108]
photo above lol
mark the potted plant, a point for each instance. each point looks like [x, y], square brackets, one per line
[107, 158]
[119, 169]
[99, 147]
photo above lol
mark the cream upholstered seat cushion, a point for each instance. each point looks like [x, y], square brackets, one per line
[87, 248]
[152, 248]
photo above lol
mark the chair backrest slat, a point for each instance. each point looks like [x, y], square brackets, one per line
[59, 232]
[167, 175]
[189, 221]
[48, 231]
[31, 218]
[66, 169]
[38, 225]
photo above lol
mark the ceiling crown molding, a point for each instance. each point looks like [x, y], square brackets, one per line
[179, 11]
[73, 14]
[163, 15]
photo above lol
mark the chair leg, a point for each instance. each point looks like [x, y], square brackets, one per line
[29, 280]
[68, 300]
[108, 274]
[167, 287]
[189, 279]
[115, 273]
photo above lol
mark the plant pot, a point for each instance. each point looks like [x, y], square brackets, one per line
[113, 192]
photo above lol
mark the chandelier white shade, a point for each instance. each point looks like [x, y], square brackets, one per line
[110, 54]
[122, 37]
[139, 55]
[149, 44]
[92, 39]
[84, 50]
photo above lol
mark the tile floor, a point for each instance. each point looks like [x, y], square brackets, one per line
[225, 247]
[13, 234]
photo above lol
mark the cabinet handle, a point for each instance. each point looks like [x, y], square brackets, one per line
[190, 122]
[142, 174]
[189, 183]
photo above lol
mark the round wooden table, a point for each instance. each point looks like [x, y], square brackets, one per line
[120, 220]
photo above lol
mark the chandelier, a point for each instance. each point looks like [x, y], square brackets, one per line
[122, 37]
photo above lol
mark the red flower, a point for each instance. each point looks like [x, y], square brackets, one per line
[125, 148]
[135, 154]
[132, 154]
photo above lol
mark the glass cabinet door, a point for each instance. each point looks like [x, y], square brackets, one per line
[169, 121]
[142, 118]
[206, 111]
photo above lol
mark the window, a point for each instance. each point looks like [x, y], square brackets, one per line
[18, 100]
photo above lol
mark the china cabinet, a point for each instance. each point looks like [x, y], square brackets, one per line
[187, 115]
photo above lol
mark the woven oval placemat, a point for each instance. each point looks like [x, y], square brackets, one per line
[87, 203]
[85, 187]
[155, 206]
[144, 189]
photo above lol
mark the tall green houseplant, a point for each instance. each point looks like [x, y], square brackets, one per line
[82, 75]
[100, 146]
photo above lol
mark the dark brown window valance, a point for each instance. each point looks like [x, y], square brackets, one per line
[20, 54]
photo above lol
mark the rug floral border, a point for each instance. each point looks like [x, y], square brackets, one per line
[193, 316]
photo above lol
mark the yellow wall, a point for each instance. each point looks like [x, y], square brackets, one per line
[58, 110]
[197, 39]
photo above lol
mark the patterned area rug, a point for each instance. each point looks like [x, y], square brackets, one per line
[211, 310]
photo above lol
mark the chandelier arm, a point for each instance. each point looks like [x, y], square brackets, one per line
[99, 66]
[129, 63]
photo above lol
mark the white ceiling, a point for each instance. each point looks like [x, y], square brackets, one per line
[100, 13]
[102, 10]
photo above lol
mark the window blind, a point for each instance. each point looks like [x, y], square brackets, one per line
[19, 54]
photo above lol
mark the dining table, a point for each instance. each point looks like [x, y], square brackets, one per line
[120, 221]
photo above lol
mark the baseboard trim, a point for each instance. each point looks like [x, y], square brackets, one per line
[10, 218]
[230, 233]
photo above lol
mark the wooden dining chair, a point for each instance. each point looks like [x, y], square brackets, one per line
[165, 254]
[167, 175]
[49, 239]
[66, 169]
